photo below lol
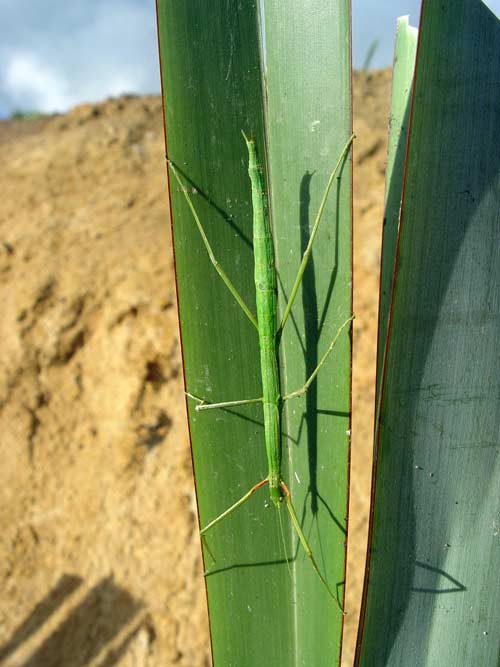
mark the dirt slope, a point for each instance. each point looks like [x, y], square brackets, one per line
[99, 554]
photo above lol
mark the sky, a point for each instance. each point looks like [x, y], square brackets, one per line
[55, 54]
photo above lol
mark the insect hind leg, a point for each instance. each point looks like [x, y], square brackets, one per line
[233, 507]
[305, 544]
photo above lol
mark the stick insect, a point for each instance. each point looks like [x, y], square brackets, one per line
[269, 333]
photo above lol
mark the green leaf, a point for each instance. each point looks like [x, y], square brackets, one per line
[264, 610]
[402, 80]
[432, 596]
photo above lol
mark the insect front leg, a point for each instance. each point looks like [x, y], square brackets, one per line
[215, 263]
[308, 250]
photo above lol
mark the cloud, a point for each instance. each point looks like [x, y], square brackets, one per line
[55, 54]
[30, 84]
[374, 23]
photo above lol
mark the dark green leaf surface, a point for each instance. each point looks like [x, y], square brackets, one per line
[264, 610]
[433, 593]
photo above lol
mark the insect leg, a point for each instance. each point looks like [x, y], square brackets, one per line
[308, 250]
[304, 542]
[233, 507]
[311, 378]
[226, 404]
[203, 405]
[206, 242]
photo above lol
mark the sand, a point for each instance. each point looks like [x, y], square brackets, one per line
[100, 560]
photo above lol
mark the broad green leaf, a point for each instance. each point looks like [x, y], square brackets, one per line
[432, 596]
[282, 77]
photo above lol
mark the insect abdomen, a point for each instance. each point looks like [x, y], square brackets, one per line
[266, 301]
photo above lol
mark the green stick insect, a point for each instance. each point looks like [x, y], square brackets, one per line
[269, 333]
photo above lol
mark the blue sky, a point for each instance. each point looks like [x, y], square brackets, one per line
[55, 54]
